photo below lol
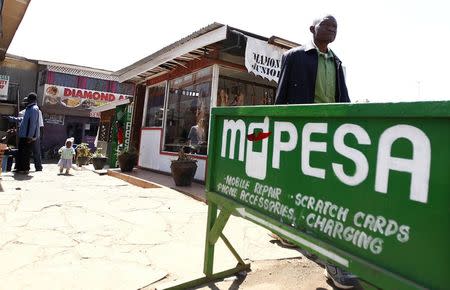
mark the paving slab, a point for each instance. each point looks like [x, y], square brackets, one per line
[87, 231]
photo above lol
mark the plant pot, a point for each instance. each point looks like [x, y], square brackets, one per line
[82, 160]
[127, 162]
[99, 162]
[183, 171]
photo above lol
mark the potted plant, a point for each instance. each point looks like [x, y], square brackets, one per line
[183, 169]
[127, 159]
[98, 159]
[83, 154]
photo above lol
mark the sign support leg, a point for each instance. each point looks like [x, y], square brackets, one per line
[214, 227]
[209, 247]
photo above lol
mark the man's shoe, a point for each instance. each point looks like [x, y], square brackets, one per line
[341, 278]
[282, 241]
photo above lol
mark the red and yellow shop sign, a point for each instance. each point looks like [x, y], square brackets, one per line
[78, 98]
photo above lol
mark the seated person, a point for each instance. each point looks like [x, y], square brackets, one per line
[197, 135]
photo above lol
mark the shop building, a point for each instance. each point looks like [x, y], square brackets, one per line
[18, 77]
[68, 95]
[178, 85]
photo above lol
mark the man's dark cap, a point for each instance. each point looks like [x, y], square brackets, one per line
[30, 98]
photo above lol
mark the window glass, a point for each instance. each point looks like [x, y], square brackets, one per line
[188, 112]
[234, 92]
[155, 106]
[238, 88]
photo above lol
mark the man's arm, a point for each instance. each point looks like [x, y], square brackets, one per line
[343, 91]
[283, 81]
[41, 119]
[14, 119]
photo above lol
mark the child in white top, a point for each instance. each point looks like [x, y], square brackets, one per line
[67, 153]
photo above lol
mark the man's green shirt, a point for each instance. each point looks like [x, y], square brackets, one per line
[326, 78]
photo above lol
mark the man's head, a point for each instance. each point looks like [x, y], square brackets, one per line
[324, 30]
[31, 98]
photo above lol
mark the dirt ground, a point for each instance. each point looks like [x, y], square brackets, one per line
[299, 273]
[287, 274]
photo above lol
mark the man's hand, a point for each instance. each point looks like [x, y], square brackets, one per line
[3, 148]
[30, 140]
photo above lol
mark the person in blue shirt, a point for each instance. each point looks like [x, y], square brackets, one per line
[28, 133]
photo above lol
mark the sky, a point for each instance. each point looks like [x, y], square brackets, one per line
[393, 50]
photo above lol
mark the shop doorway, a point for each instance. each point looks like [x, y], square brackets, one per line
[75, 130]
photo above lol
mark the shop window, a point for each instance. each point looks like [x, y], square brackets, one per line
[188, 108]
[235, 92]
[155, 106]
[238, 88]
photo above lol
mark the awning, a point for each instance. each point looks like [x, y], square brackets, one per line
[110, 106]
[177, 54]
[193, 47]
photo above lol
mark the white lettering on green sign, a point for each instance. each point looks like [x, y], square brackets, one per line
[361, 229]
[256, 162]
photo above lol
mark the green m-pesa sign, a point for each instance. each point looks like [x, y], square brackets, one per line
[364, 186]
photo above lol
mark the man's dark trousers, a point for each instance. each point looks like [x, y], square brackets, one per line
[23, 155]
[37, 155]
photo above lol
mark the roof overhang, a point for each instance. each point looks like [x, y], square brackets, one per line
[189, 48]
[79, 70]
[110, 106]
[12, 14]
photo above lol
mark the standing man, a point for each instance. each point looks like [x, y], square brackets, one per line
[28, 133]
[313, 74]
[37, 143]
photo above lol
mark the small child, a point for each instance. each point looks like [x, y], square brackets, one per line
[67, 153]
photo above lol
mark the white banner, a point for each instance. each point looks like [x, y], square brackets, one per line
[4, 84]
[263, 59]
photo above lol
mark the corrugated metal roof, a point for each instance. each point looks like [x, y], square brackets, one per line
[198, 33]
[140, 75]
[80, 71]
[169, 57]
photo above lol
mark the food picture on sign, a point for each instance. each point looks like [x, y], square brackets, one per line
[71, 102]
[86, 104]
[51, 95]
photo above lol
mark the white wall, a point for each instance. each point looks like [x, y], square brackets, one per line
[150, 156]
